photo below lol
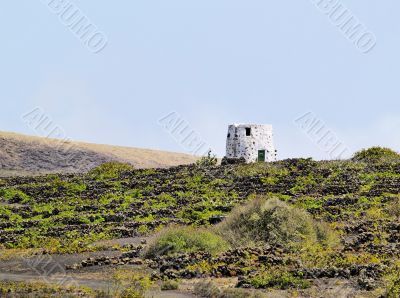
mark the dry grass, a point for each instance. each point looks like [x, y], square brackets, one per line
[8, 254]
[27, 155]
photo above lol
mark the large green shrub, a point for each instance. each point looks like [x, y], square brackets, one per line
[376, 154]
[274, 222]
[185, 239]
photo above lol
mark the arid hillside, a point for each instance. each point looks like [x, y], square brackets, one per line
[27, 155]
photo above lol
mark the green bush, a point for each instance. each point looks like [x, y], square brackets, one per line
[376, 154]
[110, 170]
[183, 240]
[274, 222]
[278, 279]
[128, 284]
[207, 161]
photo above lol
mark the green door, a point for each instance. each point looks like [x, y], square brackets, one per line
[261, 155]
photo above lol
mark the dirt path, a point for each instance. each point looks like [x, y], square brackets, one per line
[51, 269]
[91, 283]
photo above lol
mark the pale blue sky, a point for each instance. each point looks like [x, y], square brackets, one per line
[213, 62]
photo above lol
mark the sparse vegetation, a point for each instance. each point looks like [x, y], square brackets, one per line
[40, 289]
[210, 290]
[169, 285]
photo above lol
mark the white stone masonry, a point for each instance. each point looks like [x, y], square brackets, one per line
[254, 142]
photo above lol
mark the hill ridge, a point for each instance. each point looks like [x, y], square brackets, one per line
[22, 154]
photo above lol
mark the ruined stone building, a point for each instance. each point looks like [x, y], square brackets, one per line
[253, 142]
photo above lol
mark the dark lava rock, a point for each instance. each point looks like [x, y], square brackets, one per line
[232, 161]
[213, 220]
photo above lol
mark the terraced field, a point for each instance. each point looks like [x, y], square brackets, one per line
[357, 202]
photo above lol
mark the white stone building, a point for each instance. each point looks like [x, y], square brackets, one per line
[253, 142]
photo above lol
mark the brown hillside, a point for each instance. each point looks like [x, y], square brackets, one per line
[28, 155]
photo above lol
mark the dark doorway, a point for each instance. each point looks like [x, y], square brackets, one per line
[261, 155]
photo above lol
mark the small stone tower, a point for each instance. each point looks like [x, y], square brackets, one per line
[253, 142]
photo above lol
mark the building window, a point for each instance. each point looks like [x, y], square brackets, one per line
[248, 131]
[229, 135]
